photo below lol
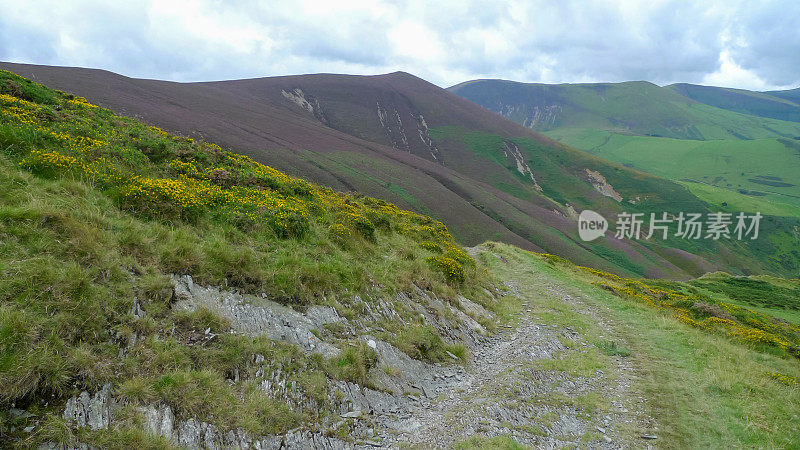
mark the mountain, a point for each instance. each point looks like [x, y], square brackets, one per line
[762, 104]
[635, 107]
[402, 139]
[792, 95]
[726, 145]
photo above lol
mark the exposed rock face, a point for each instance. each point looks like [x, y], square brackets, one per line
[522, 167]
[536, 117]
[307, 102]
[87, 411]
[257, 316]
[392, 124]
[94, 412]
[404, 384]
[599, 182]
[424, 136]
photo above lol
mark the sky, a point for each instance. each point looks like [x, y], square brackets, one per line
[743, 44]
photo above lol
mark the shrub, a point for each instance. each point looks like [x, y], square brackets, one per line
[453, 271]
[431, 246]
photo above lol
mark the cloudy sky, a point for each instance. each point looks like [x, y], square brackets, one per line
[749, 44]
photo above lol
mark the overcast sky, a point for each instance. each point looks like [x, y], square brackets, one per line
[746, 44]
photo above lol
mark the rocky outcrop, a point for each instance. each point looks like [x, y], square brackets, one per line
[537, 117]
[93, 412]
[602, 186]
[399, 384]
[511, 149]
[307, 102]
[392, 124]
[424, 136]
[257, 316]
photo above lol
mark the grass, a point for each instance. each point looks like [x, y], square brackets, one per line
[610, 348]
[424, 343]
[489, 443]
[98, 210]
[717, 171]
[706, 389]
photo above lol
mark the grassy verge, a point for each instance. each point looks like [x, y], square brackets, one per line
[704, 389]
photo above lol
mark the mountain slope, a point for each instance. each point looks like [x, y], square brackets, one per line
[726, 143]
[635, 107]
[792, 95]
[762, 104]
[405, 140]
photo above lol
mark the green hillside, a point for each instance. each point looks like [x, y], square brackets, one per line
[638, 107]
[98, 212]
[762, 104]
[727, 146]
[763, 170]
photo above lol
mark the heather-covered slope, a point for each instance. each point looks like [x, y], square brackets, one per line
[405, 140]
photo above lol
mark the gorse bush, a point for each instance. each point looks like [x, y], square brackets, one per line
[698, 310]
[156, 175]
[451, 269]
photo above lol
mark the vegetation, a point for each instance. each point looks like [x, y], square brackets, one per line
[730, 171]
[706, 388]
[690, 306]
[98, 210]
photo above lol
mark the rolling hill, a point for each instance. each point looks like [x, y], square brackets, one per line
[635, 107]
[159, 292]
[402, 139]
[732, 148]
[775, 105]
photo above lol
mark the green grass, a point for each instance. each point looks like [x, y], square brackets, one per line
[610, 348]
[489, 443]
[726, 199]
[705, 390]
[80, 240]
[716, 171]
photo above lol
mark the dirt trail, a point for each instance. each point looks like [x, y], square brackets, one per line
[542, 383]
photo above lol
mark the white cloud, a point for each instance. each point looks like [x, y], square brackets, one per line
[735, 43]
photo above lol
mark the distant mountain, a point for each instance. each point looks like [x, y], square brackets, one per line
[635, 107]
[730, 147]
[777, 105]
[793, 95]
[400, 138]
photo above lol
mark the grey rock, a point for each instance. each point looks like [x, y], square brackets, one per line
[158, 421]
[86, 411]
[255, 316]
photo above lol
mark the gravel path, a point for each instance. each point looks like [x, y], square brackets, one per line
[535, 383]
